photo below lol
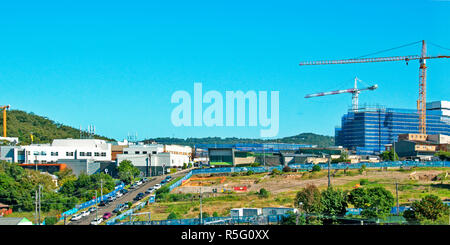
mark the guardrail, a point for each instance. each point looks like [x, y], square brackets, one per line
[91, 202]
[122, 216]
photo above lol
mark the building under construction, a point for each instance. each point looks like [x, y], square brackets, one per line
[369, 129]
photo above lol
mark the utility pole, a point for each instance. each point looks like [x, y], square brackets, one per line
[36, 207]
[96, 204]
[201, 212]
[101, 189]
[264, 154]
[396, 192]
[329, 163]
[39, 204]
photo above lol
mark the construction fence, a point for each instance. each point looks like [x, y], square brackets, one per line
[91, 202]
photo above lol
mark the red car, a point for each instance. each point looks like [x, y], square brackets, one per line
[107, 215]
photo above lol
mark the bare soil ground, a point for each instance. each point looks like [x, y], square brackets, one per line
[297, 181]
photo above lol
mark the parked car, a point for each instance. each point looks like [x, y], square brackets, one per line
[139, 196]
[119, 194]
[76, 217]
[103, 203]
[85, 213]
[111, 198]
[139, 182]
[96, 221]
[92, 209]
[149, 190]
[157, 186]
[124, 191]
[119, 208]
[133, 186]
[107, 215]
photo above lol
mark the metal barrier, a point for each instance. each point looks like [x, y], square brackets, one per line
[309, 167]
[256, 220]
[122, 216]
[91, 202]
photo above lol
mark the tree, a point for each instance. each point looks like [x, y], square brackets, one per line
[309, 199]
[173, 215]
[263, 193]
[184, 166]
[443, 155]
[316, 168]
[287, 169]
[430, 208]
[334, 202]
[389, 155]
[127, 171]
[65, 175]
[293, 219]
[190, 165]
[375, 202]
[215, 214]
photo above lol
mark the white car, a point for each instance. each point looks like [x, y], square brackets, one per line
[139, 182]
[85, 213]
[157, 186]
[96, 221]
[76, 217]
[119, 194]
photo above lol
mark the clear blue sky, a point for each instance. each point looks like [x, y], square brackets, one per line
[115, 64]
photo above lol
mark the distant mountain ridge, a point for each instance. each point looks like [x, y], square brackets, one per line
[303, 138]
[21, 124]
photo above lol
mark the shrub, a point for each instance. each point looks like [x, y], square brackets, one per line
[429, 209]
[362, 169]
[215, 214]
[51, 220]
[276, 171]
[287, 169]
[250, 172]
[263, 193]
[316, 168]
[363, 181]
[173, 215]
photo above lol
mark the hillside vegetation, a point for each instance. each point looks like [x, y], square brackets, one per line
[304, 138]
[21, 124]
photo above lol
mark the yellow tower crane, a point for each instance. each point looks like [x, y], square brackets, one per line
[4, 118]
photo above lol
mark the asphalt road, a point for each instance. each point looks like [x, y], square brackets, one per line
[86, 220]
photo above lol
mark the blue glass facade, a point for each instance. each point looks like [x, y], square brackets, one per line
[368, 130]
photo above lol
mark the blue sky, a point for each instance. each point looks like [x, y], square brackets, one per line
[115, 64]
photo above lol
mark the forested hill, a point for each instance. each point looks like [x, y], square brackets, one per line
[303, 138]
[21, 124]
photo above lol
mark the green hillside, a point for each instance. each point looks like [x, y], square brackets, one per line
[304, 138]
[21, 124]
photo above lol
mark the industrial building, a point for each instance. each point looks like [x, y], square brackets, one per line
[367, 130]
[154, 159]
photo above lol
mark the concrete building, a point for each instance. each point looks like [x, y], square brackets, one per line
[154, 159]
[59, 149]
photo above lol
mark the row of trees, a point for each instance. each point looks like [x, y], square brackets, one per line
[375, 202]
[18, 187]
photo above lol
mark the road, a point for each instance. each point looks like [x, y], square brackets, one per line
[86, 220]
